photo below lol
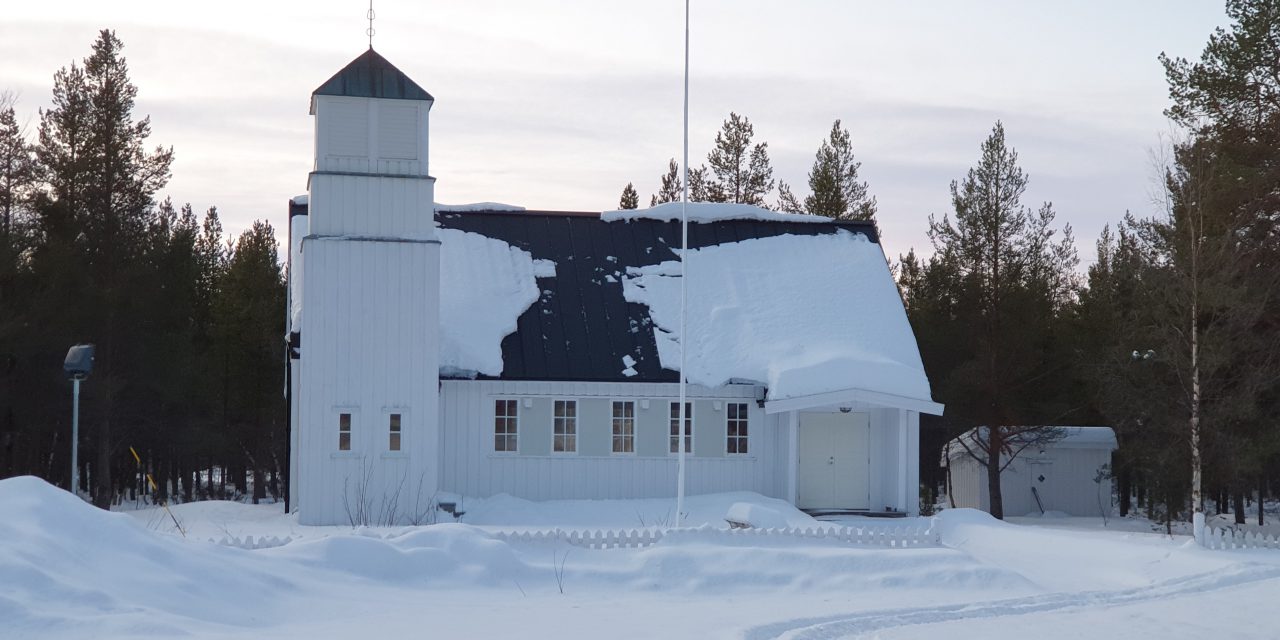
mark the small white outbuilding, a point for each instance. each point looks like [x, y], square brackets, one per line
[1068, 476]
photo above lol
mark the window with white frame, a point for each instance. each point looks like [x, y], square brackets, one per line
[505, 425]
[344, 432]
[675, 427]
[736, 427]
[394, 423]
[565, 426]
[624, 426]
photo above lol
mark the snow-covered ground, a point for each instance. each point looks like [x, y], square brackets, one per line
[69, 570]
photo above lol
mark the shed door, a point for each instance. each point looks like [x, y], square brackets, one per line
[835, 468]
[1040, 472]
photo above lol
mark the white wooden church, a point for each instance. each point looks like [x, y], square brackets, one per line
[488, 349]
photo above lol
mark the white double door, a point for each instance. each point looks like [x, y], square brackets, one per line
[834, 461]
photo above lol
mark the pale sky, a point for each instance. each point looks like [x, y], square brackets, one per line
[558, 104]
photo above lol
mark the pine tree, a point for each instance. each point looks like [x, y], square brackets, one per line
[17, 187]
[698, 185]
[1219, 234]
[833, 181]
[787, 201]
[630, 199]
[1013, 278]
[671, 186]
[101, 183]
[742, 171]
[249, 325]
[17, 170]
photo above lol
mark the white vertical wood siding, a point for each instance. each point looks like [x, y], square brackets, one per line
[471, 467]
[370, 347]
[371, 135]
[1068, 486]
[383, 207]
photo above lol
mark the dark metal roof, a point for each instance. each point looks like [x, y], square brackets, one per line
[581, 326]
[372, 76]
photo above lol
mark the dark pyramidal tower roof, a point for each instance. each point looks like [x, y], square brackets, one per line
[372, 76]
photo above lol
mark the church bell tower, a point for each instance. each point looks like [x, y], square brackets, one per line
[367, 441]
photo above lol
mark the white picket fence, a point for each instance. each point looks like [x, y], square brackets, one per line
[884, 537]
[1215, 538]
[888, 537]
[248, 542]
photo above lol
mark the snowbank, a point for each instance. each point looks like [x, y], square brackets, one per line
[68, 570]
[485, 284]
[708, 212]
[61, 558]
[821, 314]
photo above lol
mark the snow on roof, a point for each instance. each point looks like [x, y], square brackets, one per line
[476, 206]
[298, 226]
[820, 314]
[485, 284]
[301, 200]
[708, 212]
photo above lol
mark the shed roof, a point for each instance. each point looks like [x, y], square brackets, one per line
[1072, 438]
[371, 76]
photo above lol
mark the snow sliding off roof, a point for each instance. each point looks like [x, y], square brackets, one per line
[803, 315]
[800, 304]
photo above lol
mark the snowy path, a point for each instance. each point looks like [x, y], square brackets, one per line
[858, 624]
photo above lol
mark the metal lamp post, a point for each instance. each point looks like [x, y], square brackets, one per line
[77, 366]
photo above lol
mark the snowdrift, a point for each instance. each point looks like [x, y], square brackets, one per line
[59, 555]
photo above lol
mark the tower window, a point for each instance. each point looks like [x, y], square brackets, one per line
[344, 432]
[394, 429]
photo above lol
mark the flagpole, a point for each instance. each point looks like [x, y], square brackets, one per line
[684, 289]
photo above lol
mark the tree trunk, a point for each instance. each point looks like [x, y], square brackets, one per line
[102, 470]
[951, 494]
[994, 445]
[259, 485]
[1123, 487]
[1262, 497]
[1238, 500]
[1197, 498]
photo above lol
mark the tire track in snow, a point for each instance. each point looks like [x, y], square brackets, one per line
[831, 627]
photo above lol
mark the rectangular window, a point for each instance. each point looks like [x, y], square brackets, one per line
[675, 427]
[624, 427]
[565, 426]
[505, 428]
[344, 432]
[736, 427]
[394, 427]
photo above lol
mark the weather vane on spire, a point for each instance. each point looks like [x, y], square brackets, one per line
[370, 31]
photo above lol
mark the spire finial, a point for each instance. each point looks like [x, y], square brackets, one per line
[370, 31]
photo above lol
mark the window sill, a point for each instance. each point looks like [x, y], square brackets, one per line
[338, 455]
[394, 455]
